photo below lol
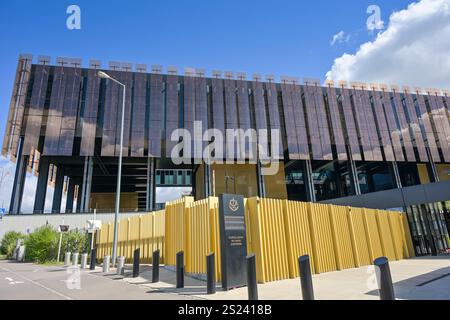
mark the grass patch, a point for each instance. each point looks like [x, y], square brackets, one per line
[2, 257]
[51, 263]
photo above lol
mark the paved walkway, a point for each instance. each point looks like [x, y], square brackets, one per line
[418, 279]
[415, 279]
[35, 282]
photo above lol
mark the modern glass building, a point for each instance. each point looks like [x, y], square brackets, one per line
[352, 144]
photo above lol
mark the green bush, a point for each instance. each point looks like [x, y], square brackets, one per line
[74, 241]
[9, 243]
[42, 245]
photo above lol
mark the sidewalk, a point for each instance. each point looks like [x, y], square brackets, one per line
[421, 278]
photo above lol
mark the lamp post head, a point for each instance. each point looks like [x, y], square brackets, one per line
[103, 75]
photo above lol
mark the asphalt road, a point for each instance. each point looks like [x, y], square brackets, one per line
[27, 281]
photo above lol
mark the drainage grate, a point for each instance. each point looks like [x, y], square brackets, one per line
[433, 280]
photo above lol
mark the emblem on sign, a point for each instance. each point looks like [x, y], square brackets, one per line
[233, 205]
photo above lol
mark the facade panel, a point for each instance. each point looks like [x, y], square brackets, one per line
[218, 107]
[36, 109]
[317, 101]
[53, 128]
[289, 121]
[89, 121]
[201, 110]
[441, 124]
[335, 116]
[371, 125]
[111, 114]
[274, 119]
[172, 111]
[17, 106]
[404, 127]
[382, 126]
[243, 109]
[156, 115]
[392, 125]
[350, 125]
[300, 123]
[359, 109]
[70, 111]
[231, 116]
[415, 128]
[427, 128]
[138, 115]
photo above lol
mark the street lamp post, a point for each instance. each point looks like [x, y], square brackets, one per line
[104, 75]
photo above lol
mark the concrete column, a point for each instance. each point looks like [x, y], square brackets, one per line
[79, 198]
[337, 178]
[86, 184]
[19, 183]
[260, 180]
[432, 170]
[57, 195]
[396, 175]
[194, 181]
[309, 182]
[41, 188]
[70, 196]
[151, 189]
[353, 170]
[87, 196]
[207, 179]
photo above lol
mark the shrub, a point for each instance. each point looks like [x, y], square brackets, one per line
[8, 243]
[42, 245]
[74, 241]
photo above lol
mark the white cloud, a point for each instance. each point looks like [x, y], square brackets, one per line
[340, 37]
[413, 50]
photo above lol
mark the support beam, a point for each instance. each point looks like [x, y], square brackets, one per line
[396, 175]
[19, 181]
[41, 188]
[86, 184]
[57, 194]
[309, 181]
[79, 198]
[207, 180]
[353, 170]
[70, 196]
[432, 171]
[151, 190]
[260, 180]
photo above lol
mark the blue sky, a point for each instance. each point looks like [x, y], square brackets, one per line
[269, 37]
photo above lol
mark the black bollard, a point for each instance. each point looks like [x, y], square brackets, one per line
[136, 257]
[384, 279]
[210, 274]
[93, 258]
[155, 268]
[180, 269]
[306, 278]
[252, 285]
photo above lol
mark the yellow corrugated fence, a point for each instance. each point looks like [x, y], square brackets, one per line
[278, 232]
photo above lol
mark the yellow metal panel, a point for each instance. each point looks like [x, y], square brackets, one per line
[358, 235]
[341, 237]
[385, 235]
[298, 235]
[407, 240]
[396, 231]
[372, 234]
[322, 240]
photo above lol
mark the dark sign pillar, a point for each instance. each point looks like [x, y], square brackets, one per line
[233, 248]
